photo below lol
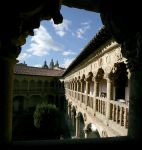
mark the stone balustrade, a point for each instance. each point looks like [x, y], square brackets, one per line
[118, 117]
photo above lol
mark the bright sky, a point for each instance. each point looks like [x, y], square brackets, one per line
[61, 42]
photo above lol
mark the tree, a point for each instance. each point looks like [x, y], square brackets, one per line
[50, 122]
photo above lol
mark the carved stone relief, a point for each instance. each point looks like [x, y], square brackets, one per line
[108, 59]
[118, 56]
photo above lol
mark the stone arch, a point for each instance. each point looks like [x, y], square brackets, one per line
[83, 83]
[100, 75]
[92, 131]
[102, 83]
[90, 75]
[90, 83]
[28, 24]
[79, 83]
[75, 83]
[119, 76]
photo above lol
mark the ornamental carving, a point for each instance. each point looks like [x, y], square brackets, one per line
[131, 49]
[99, 75]
[118, 56]
[119, 68]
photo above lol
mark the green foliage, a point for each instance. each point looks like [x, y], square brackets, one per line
[45, 113]
[50, 121]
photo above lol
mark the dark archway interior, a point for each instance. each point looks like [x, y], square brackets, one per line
[122, 20]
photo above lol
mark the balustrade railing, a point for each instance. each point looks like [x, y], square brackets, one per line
[90, 101]
[101, 105]
[119, 113]
[83, 98]
[118, 110]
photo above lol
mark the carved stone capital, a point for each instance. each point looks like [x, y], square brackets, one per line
[132, 50]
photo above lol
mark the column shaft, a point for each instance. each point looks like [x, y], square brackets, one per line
[109, 87]
[135, 110]
[87, 89]
[6, 102]
[95, 94]
[77, 126]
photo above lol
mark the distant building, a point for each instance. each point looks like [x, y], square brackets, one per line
[45, 65]
[55, 66]
[33, 85]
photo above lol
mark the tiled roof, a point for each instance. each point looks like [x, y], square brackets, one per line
[28, 70]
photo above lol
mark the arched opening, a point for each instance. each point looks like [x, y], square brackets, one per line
[110, 21]
[102, 88]
[119, 76]
[91, 131]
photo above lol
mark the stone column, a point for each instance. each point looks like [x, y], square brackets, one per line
[69, 110]
[130, 38]
[77, 125]
[109, 97]
[96, 84]
[87, 89]
[135, 110]
[131, 49]
[81, 90]
[6, 98]
[77, 95]
[86, 132]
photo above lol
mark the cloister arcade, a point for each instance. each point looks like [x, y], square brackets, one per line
[121, 19]
[100, 95]
[30, 91]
